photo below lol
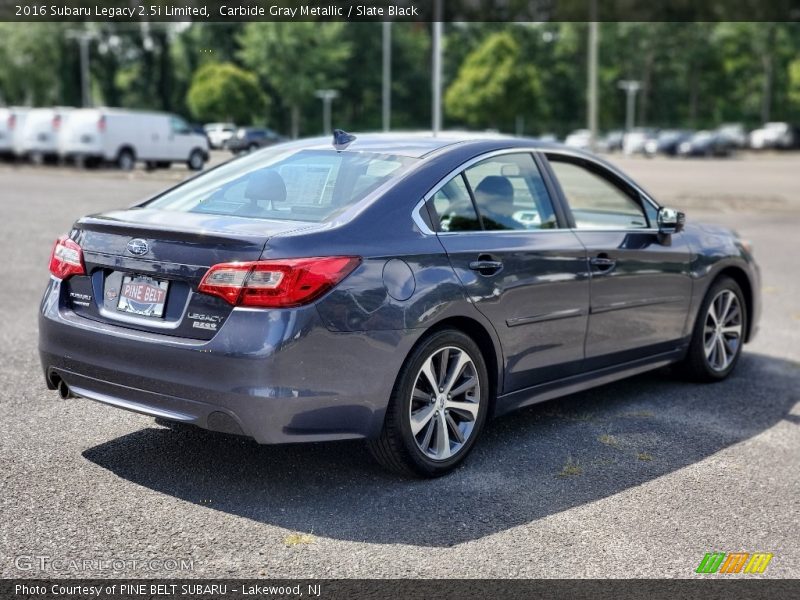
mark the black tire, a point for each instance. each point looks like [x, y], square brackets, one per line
[396, 448]
[697, 366]
[126, 159]
[196, 160]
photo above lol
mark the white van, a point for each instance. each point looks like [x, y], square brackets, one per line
[125, 137]
[12, 122]
[38, 139]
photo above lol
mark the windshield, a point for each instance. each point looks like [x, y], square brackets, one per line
[285, 183]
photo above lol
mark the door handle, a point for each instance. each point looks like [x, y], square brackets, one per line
[602, 262]
[486, 265]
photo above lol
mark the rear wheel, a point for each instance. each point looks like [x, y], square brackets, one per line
[126, 159]
[718, 333]
[437, 408]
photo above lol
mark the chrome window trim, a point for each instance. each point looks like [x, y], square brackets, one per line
[426, 230]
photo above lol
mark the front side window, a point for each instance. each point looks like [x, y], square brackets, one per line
[285, 184]
[179, 125]
[510, 194]
[596, 202]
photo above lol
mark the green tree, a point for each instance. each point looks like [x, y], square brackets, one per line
[224, 92]
[296, 59]
[495, 85]
[794, 85]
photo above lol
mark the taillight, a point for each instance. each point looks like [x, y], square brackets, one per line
[12, 121]
[66, 259]
[101, 124]
[279, 283]
[56, 122]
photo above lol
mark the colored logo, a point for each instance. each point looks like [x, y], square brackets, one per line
[734, 562]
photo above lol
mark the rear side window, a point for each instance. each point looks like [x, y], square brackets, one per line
[454, 208]
[510, 194]
[505, 192]
[286, 184]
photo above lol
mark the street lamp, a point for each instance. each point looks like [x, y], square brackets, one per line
[436, 109]
[631, 87]
[327, 97]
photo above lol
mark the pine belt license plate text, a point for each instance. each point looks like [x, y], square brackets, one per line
[142, 295]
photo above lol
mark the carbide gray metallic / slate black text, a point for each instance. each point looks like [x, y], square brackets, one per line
[400, 290]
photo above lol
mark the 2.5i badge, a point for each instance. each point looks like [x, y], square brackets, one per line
[207, 322]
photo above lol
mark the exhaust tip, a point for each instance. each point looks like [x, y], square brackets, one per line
[63, 390]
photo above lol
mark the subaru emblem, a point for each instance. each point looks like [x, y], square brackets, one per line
[138, 247]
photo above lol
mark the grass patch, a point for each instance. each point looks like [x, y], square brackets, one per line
[298, 539]
[571, 469]
[645, 456]
[609, 440]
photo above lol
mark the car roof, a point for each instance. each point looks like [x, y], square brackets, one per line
[422, 144]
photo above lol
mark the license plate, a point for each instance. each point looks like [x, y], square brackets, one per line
[143, 296]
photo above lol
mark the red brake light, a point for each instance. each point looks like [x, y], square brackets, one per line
[12, 121]
[101, 124]
[66, 259]
[279, 283]
[56, 122]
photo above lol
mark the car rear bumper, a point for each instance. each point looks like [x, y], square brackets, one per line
[276, 376]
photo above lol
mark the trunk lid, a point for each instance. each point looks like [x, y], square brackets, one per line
[144, 265]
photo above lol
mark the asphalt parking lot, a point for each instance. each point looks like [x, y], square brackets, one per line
[635, 479]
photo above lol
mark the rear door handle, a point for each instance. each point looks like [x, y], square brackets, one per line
[602, 262]
[486, 265]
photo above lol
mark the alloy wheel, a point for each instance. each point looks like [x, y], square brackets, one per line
[722, 333]
[445, 402]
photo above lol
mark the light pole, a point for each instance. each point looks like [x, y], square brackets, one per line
[436, 109]
[631, 87]
[387, 75]
[327, 97]
[592, 74]
[84, 38]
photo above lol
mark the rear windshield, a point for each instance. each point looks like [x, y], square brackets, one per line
[285, 184]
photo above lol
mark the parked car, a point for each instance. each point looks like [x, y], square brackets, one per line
[779, 136]
[125, 137]
[395, 288]
[12, 123]
[219, 134]
[666, 142]
[38, 139]
[705, 143]
[248, 139]
[735, 133]
[581, 139]
[634, 141]
[612, 141]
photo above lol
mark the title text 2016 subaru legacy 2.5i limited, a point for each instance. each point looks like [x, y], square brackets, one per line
[397, 288]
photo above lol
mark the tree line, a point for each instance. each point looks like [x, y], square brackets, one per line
[511, 77]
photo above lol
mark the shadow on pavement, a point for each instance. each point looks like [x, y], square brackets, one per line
[528, 465]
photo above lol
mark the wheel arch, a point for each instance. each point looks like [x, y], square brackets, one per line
[740, 277]
[489, 347]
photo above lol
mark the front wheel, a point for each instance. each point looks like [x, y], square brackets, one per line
[437, 408]
[718, 333]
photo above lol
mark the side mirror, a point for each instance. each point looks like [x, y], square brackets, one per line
[670, 220]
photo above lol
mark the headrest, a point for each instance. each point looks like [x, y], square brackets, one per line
[266, 185]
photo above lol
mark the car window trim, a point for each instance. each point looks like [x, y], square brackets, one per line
[424, 226]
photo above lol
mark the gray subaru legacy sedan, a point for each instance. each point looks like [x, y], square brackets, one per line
[400, 289]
